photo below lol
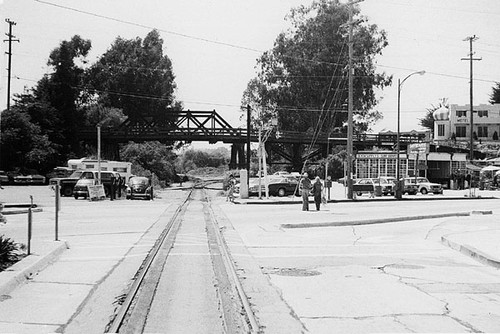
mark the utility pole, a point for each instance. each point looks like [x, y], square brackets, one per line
[471, 59]
[350, 155]
[249, 113]
[9, 69]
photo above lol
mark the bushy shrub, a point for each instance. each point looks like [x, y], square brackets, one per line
[9, 252]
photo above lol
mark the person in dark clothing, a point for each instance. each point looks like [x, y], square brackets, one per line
[305, 186]
[317, 190]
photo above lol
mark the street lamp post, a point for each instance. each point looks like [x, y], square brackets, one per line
[399, 188]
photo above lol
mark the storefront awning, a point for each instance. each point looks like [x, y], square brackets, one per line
[473, 167]
[490, 168]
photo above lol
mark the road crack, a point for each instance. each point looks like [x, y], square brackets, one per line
[355, 235]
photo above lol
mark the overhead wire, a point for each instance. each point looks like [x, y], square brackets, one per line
[230, 44]
[243, 48]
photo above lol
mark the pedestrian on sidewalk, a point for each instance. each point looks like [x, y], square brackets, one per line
[305, 186]
[317, 191]
[231, 187]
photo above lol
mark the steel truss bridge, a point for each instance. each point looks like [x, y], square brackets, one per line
[291, 148]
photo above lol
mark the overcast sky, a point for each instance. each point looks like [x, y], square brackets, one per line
[214, 44]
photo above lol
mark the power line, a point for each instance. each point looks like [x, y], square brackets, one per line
[229, 44]
[177, 33]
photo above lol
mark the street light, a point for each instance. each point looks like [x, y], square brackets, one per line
[399, 189]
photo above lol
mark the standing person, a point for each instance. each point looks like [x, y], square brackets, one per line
[317, 190]
[230, 188]
[305, 186]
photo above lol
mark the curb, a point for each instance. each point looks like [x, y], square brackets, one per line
[279, 202]
[376, 221]
[16, 212]
[471, 252]
[28, 267]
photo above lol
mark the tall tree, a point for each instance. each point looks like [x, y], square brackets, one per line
[62, 89]
[495, 94]
[304, 76]
[44, 122]
[24, 146]
[136, 77]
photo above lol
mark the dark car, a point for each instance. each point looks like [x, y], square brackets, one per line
[66, 184]
[80, 189]
[31, 179]
[277, 185]
[4, 178]
[139, 187]
[283, 186]
[60, 172]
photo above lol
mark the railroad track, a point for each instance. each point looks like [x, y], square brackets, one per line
[188, 282]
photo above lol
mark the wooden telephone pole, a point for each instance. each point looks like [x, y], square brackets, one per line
[9, 69]
[350, 125]
[471, 59]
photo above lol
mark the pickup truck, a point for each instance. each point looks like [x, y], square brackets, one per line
[66, 184]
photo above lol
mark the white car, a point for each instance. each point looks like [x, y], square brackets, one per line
[424, 185]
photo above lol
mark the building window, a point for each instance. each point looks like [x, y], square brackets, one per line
[482, 131]
[461, 131]
[461, 113]
[440, 130]
[482, 113]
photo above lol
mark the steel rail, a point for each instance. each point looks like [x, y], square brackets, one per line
[231, 270]
[125, 307]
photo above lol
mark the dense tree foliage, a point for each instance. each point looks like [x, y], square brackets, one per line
[192, 159]
[42, 126]
[303, 79]
[153, 156]
[132, 79]
[24, 146]
[62, 88]
[495, 94]
[135, 76]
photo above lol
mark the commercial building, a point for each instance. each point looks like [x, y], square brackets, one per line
[419, 160]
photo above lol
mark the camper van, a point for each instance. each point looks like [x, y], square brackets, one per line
[124, 168]
[66, 184]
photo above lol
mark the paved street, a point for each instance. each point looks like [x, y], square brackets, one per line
[391, 277]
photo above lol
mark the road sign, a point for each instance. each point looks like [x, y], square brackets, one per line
[418, 148]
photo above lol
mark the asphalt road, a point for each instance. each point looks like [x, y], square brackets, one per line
[393, 277]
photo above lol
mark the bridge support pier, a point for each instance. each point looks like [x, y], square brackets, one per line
[237, 156]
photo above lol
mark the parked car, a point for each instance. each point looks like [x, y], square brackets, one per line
[424, 185]
[139, 187]
[4, 178]
[278, 186]
[281, 173]
[60, 172]
[410, 188]
[387, 184]
[32, 179]
[284, 186]
[80, 189]
[367, 185]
